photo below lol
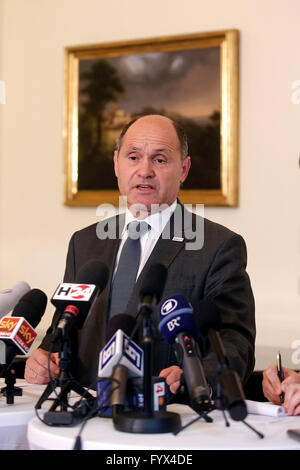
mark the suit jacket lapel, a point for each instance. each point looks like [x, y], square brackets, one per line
[168, 246]
[96, 320]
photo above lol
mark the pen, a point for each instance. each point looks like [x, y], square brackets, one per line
[280, 375]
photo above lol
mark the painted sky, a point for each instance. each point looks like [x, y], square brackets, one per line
[180, 81]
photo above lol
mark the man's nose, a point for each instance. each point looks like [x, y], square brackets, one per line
[146, 168]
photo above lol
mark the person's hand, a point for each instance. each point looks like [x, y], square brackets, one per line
[272, 387]
[172, 376]
[36, 369]
[291, 389]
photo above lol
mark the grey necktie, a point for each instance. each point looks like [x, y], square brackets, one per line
[128, 266]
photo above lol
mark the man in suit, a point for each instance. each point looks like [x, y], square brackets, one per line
[151, 162]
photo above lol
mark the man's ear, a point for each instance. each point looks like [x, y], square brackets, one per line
[116, 163]
[185, 169]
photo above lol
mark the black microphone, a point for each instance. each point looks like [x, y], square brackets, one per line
[148, 420]
[123, 322]
[209, 323]
[75, 299]
[178, 328]
[153, 286]
[150, 294]
[17, 330]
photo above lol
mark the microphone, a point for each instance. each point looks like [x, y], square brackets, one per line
[120, 359]
[178, 328]
[120, 349]
[149, 420]
[10, 297]
[17, 330]
[75, 299]
[121, 363]
[208, 321]
[153, 287]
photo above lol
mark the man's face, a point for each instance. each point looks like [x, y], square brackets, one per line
[149, 166]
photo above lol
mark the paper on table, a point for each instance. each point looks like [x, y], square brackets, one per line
[265, 408]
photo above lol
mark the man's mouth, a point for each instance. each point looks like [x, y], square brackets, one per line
[145, 187]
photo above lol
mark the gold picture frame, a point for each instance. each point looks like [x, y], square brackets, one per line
[223, 44]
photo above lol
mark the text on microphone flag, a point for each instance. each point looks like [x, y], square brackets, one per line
[120, 347]
[19, 331]
[69, 292]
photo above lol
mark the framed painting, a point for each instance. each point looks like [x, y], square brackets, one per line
[191, 78]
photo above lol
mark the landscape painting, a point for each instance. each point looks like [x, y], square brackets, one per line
[182, 78]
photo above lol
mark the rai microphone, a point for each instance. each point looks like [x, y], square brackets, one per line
[74, 300]
[120, 359]
[208, 322]
[10, 297]
[178, 328]
[17, 331]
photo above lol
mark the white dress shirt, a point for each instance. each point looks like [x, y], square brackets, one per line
[157, 223]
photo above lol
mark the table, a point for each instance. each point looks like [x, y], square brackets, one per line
[99, 434]
[14, 418]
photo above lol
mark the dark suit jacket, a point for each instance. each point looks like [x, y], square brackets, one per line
[216, 271]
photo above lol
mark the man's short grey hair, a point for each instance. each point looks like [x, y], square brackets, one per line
[181, 134]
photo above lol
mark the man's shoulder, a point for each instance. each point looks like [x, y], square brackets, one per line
[219, 229]
[211, 227]
[105, 226]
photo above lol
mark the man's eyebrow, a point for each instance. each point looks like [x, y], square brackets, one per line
[131, 148]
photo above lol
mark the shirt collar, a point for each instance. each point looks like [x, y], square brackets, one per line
[157, 221]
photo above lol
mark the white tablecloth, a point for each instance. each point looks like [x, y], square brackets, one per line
[14, 418]
[21, 429]
[99, 433]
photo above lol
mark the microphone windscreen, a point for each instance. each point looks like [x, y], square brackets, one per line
[123, 322]
[31, 307]
[207, 317]
[10, 297]
[93, 272]
[155, 281]
[176, 316]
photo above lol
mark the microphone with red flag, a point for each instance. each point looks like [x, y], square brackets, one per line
[18, 330]
[75, 299]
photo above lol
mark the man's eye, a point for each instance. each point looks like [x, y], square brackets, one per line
[160, 160]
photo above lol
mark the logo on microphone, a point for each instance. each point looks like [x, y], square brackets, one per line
[121, 350]
[168, 306]
[108, 352]
[81, 292]
[132, 353]
[174, 323]
[69, 292]
[18, 331]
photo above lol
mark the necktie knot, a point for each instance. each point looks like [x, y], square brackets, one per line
[137, 229]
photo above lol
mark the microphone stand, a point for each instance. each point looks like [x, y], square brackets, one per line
[10, 391]
[147, 421]
[65, 381]
[221, 401]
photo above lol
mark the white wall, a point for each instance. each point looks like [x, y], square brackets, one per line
[36, 226]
